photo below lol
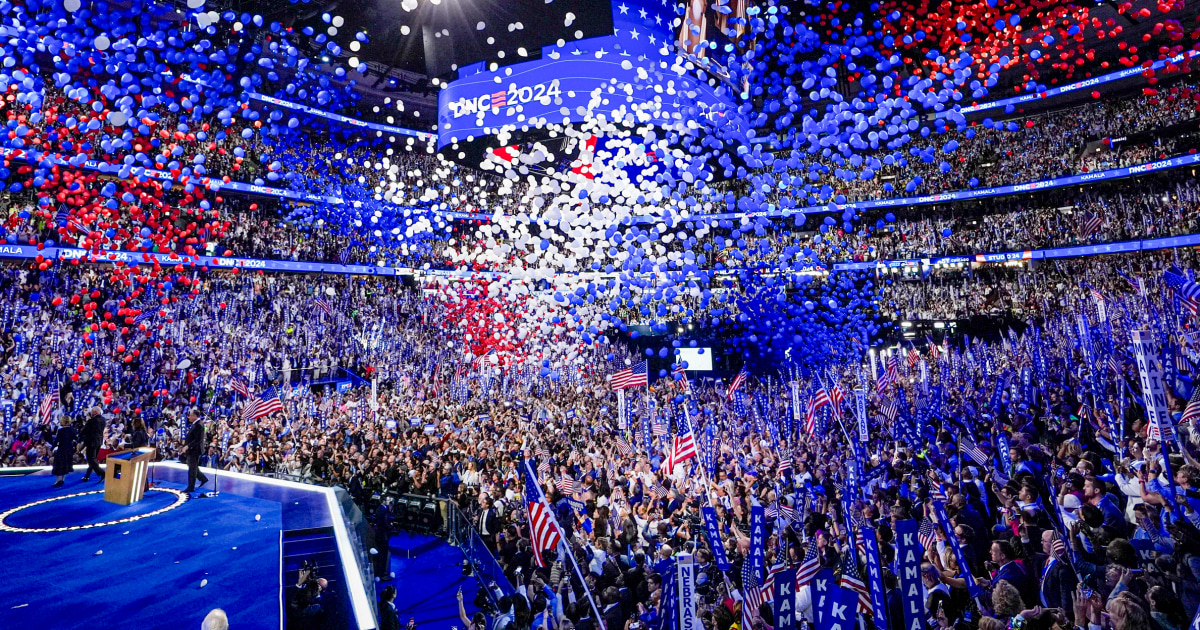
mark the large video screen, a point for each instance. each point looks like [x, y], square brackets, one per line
[696, 359]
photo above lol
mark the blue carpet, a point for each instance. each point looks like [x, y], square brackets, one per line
[426, 585]
[149, 571]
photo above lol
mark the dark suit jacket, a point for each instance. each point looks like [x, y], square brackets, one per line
[613, 616]
[1057, 585]
[1015, 575]
[388, 619]
[93, 432]
[195, 440]
[490, 519]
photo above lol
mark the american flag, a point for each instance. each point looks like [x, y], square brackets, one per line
[815, 404]
[623, 447]
[681, 378]
[323, 305]
[736, 383]
[890, 409]
[238, 384]
[1185, 289]
[969, 448]
[683, 447]
[60, 217]
[889, 376]
[810, 565]
[658, 427]
[635, 376]
[1092, 225]
[785, 467]
[1193, 407]
[263, 405]
[657, 490]
[925, 533]
[838, 394]
[567, 485]
[752, 591]
[543, 529]
[46, 411]
[914, 357]
[779, 509]
[852, 580]
[836, 397]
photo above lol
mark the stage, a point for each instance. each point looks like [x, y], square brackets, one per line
[167, 560]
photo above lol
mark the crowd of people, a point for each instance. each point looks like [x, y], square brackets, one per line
[1081, 466]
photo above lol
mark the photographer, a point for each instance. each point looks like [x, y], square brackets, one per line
[304, 603]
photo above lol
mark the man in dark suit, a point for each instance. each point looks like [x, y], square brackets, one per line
[92, 438]
[193, 448]
[488, 523]
[1058, 579]
[1005, 559]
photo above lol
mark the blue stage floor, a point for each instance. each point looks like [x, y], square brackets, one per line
[145, 572]
[426, 585]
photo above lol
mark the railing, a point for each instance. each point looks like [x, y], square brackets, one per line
[450, 522]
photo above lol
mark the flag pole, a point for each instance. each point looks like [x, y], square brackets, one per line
[563, 543]
[707, 482]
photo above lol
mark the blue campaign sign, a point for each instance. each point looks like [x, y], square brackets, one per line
[822, 584]
[785, 600]
[908, 558]
[875, 576]
[835, 607]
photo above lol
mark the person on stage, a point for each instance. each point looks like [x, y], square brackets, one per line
[64, 450]
[93, 438]
[139, 437]
[193, 448]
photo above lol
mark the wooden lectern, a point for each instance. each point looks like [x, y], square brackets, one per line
[125, 476]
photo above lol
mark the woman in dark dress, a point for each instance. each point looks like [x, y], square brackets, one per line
[64, 449]
[139, 437]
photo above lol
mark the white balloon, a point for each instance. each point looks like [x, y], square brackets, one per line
[71, 5]
[102, 43]
[195, 4]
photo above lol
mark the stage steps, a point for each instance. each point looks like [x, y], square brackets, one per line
[318, 546]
